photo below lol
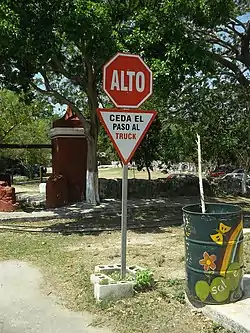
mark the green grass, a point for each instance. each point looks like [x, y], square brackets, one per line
[68, 261]
[27, 188]
[113, 173]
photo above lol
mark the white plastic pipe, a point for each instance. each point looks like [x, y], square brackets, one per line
[203, 208]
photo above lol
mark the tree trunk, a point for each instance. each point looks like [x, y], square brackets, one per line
[246, 162]
[92, 189]
[244, 183]
[149, 173]
[30, 172]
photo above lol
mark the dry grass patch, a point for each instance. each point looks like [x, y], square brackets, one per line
[112, 173]
[247, 253]
[27, 188]
[68, 261]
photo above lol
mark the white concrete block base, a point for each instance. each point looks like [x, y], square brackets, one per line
[106, 288]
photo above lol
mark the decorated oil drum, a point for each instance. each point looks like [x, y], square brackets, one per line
[213, 253]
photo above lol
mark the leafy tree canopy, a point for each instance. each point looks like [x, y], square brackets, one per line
[68, 42]
[23, 124]
[72, 40]
[16, 114]
[217, 110]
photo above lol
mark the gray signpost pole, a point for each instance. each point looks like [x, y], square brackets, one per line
[115, 85]
[124, 220]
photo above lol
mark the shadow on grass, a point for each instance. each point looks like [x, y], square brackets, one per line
[143, 216]
[150, 219]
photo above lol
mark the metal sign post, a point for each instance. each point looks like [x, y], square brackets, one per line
[128, 82]
[124, 220]
[126, 129]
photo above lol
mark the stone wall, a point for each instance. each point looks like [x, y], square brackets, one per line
[229, 186]
[162, 187]
[146, 189]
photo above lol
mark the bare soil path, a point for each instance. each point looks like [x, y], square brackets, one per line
[24, 308]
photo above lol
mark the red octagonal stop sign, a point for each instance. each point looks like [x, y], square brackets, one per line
[127, 80]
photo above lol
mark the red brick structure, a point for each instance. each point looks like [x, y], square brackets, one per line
[69, 161]
[56, 192]
[7, 198]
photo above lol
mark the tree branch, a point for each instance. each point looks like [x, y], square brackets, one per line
[62, 99]
[239, 34]
[46, 80]
[92, 98]
[11, 129]
[90, 72]
[237, 22]
[6, 133]
[42, 91]
[217, 40]
[183, 91]
[100, 101]
[223, 44]
[245, 41]
[57, 65]
[233, 67]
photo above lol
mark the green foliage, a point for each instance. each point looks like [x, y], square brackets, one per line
[144, 280]
[116, 276]
[180, 296]
[149, 149]
[104, 282]
[216, 328]
[215, 108]
[67, 43]
[62, 39]
[105, 148]
[173, 289]
[34, 132]
[16, 113]
[23, 124]
[174, 282]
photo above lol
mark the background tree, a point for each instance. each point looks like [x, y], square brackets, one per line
[215, 108]
[149, 149]
[33, 132]
[68, 43]
[106, 151]
[23, 124]
[230, 45]
[15, 113]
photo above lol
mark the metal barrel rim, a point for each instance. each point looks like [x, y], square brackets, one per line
[237, 209]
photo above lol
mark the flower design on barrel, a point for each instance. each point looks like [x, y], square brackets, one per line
[208, 261]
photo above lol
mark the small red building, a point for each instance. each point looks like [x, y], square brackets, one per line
[69, 162]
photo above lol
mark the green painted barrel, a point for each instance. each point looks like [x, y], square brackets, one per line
[214, 253]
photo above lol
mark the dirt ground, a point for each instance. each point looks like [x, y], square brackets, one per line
[68, 261]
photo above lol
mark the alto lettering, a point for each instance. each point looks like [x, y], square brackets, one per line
[127, 81]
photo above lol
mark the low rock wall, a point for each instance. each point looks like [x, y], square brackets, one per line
[230, 186]
[162, 187]
[147, 189]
